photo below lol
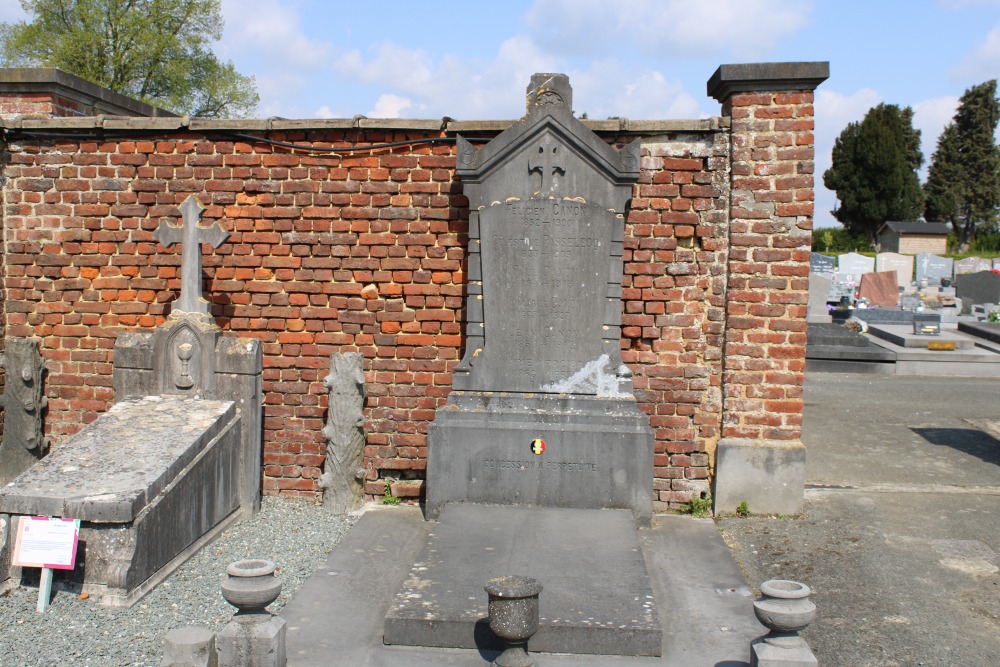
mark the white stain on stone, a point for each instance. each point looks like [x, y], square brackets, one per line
[591, 379]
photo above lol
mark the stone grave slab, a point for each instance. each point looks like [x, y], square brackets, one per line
[823, 264]
[933, 268]
[881, 289]
[977, 288]
[597, 598]
[986, 330]
[902, 335]
[901, 264]
[819, 291]
[855, 265]
[147, 479]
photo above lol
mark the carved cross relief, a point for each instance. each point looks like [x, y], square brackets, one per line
[191, 235]
[547, 160]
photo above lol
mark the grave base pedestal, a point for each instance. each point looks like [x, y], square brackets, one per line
[598, 453]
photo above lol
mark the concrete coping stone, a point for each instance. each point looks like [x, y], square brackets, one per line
[116, 466]
[183, 123]
[766, 77]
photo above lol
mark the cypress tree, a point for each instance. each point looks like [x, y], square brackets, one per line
[963, 182]
[874, 171]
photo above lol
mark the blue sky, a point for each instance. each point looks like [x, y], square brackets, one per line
[643, 59]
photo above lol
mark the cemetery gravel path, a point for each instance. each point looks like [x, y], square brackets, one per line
[901, 532]
[295, 534]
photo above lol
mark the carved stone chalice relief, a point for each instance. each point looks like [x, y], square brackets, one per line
[184, 353]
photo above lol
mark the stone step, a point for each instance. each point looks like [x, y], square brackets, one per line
[597, 596]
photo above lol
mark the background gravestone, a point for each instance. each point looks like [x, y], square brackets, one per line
[972, 265]
[933, 268]
[881, 289]
[819, 292]
[978, 288]
[855, 265]
[543, 361]
[901, 264]
[822, 264]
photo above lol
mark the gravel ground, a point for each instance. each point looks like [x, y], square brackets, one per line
[296, 535]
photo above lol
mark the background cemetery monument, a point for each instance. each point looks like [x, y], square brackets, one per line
[348, 247]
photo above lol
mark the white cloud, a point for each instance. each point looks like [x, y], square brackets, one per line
[611, 88]
[984, 61]
[390, 106]
[267, 38]
[666, 28]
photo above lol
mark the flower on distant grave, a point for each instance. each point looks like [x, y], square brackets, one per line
[995, 270]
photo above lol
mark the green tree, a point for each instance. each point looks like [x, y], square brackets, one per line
[874, 171]
[157, 51]
[963, 182]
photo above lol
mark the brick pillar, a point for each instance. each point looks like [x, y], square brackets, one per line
[760, 458]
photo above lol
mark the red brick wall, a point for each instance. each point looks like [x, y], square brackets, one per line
[41, 104]
[772, 208]
[346, 252]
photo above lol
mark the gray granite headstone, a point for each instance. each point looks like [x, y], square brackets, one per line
[933, 268]
[855, 265]
[822, 264]
[543, 362]
[901, 264]
[972, 265]
[819, 292]
[23, 404]
[977, 288]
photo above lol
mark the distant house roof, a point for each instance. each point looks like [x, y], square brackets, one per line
[939, 228]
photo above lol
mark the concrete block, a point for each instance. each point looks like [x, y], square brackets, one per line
[763, 654]
[190, 646]
[769, 475]
[249, 642]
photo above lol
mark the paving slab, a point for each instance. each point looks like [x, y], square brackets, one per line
[902, 335]
[337, 617]
[597, 597]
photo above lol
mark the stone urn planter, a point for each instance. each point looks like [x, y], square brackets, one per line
[784, 609]
[251, 585]
[513, 614]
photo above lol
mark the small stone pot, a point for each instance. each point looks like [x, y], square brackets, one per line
[513, 614]
[784, 609]
[251, 585]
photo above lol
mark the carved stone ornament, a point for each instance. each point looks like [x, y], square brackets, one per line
[343, 476]
[24, 404]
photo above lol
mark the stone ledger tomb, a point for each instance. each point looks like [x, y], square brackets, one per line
[542, 411]
[174, 460]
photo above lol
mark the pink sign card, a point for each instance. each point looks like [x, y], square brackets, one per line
[46, 542]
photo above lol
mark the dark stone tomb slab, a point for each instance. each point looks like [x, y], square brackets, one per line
[543, 362]
[977, 288]
[597, 597]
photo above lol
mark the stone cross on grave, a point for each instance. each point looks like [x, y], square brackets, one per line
[191, 235]
[546, 160]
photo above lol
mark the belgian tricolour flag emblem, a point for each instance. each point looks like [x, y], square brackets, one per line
[537, 446]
